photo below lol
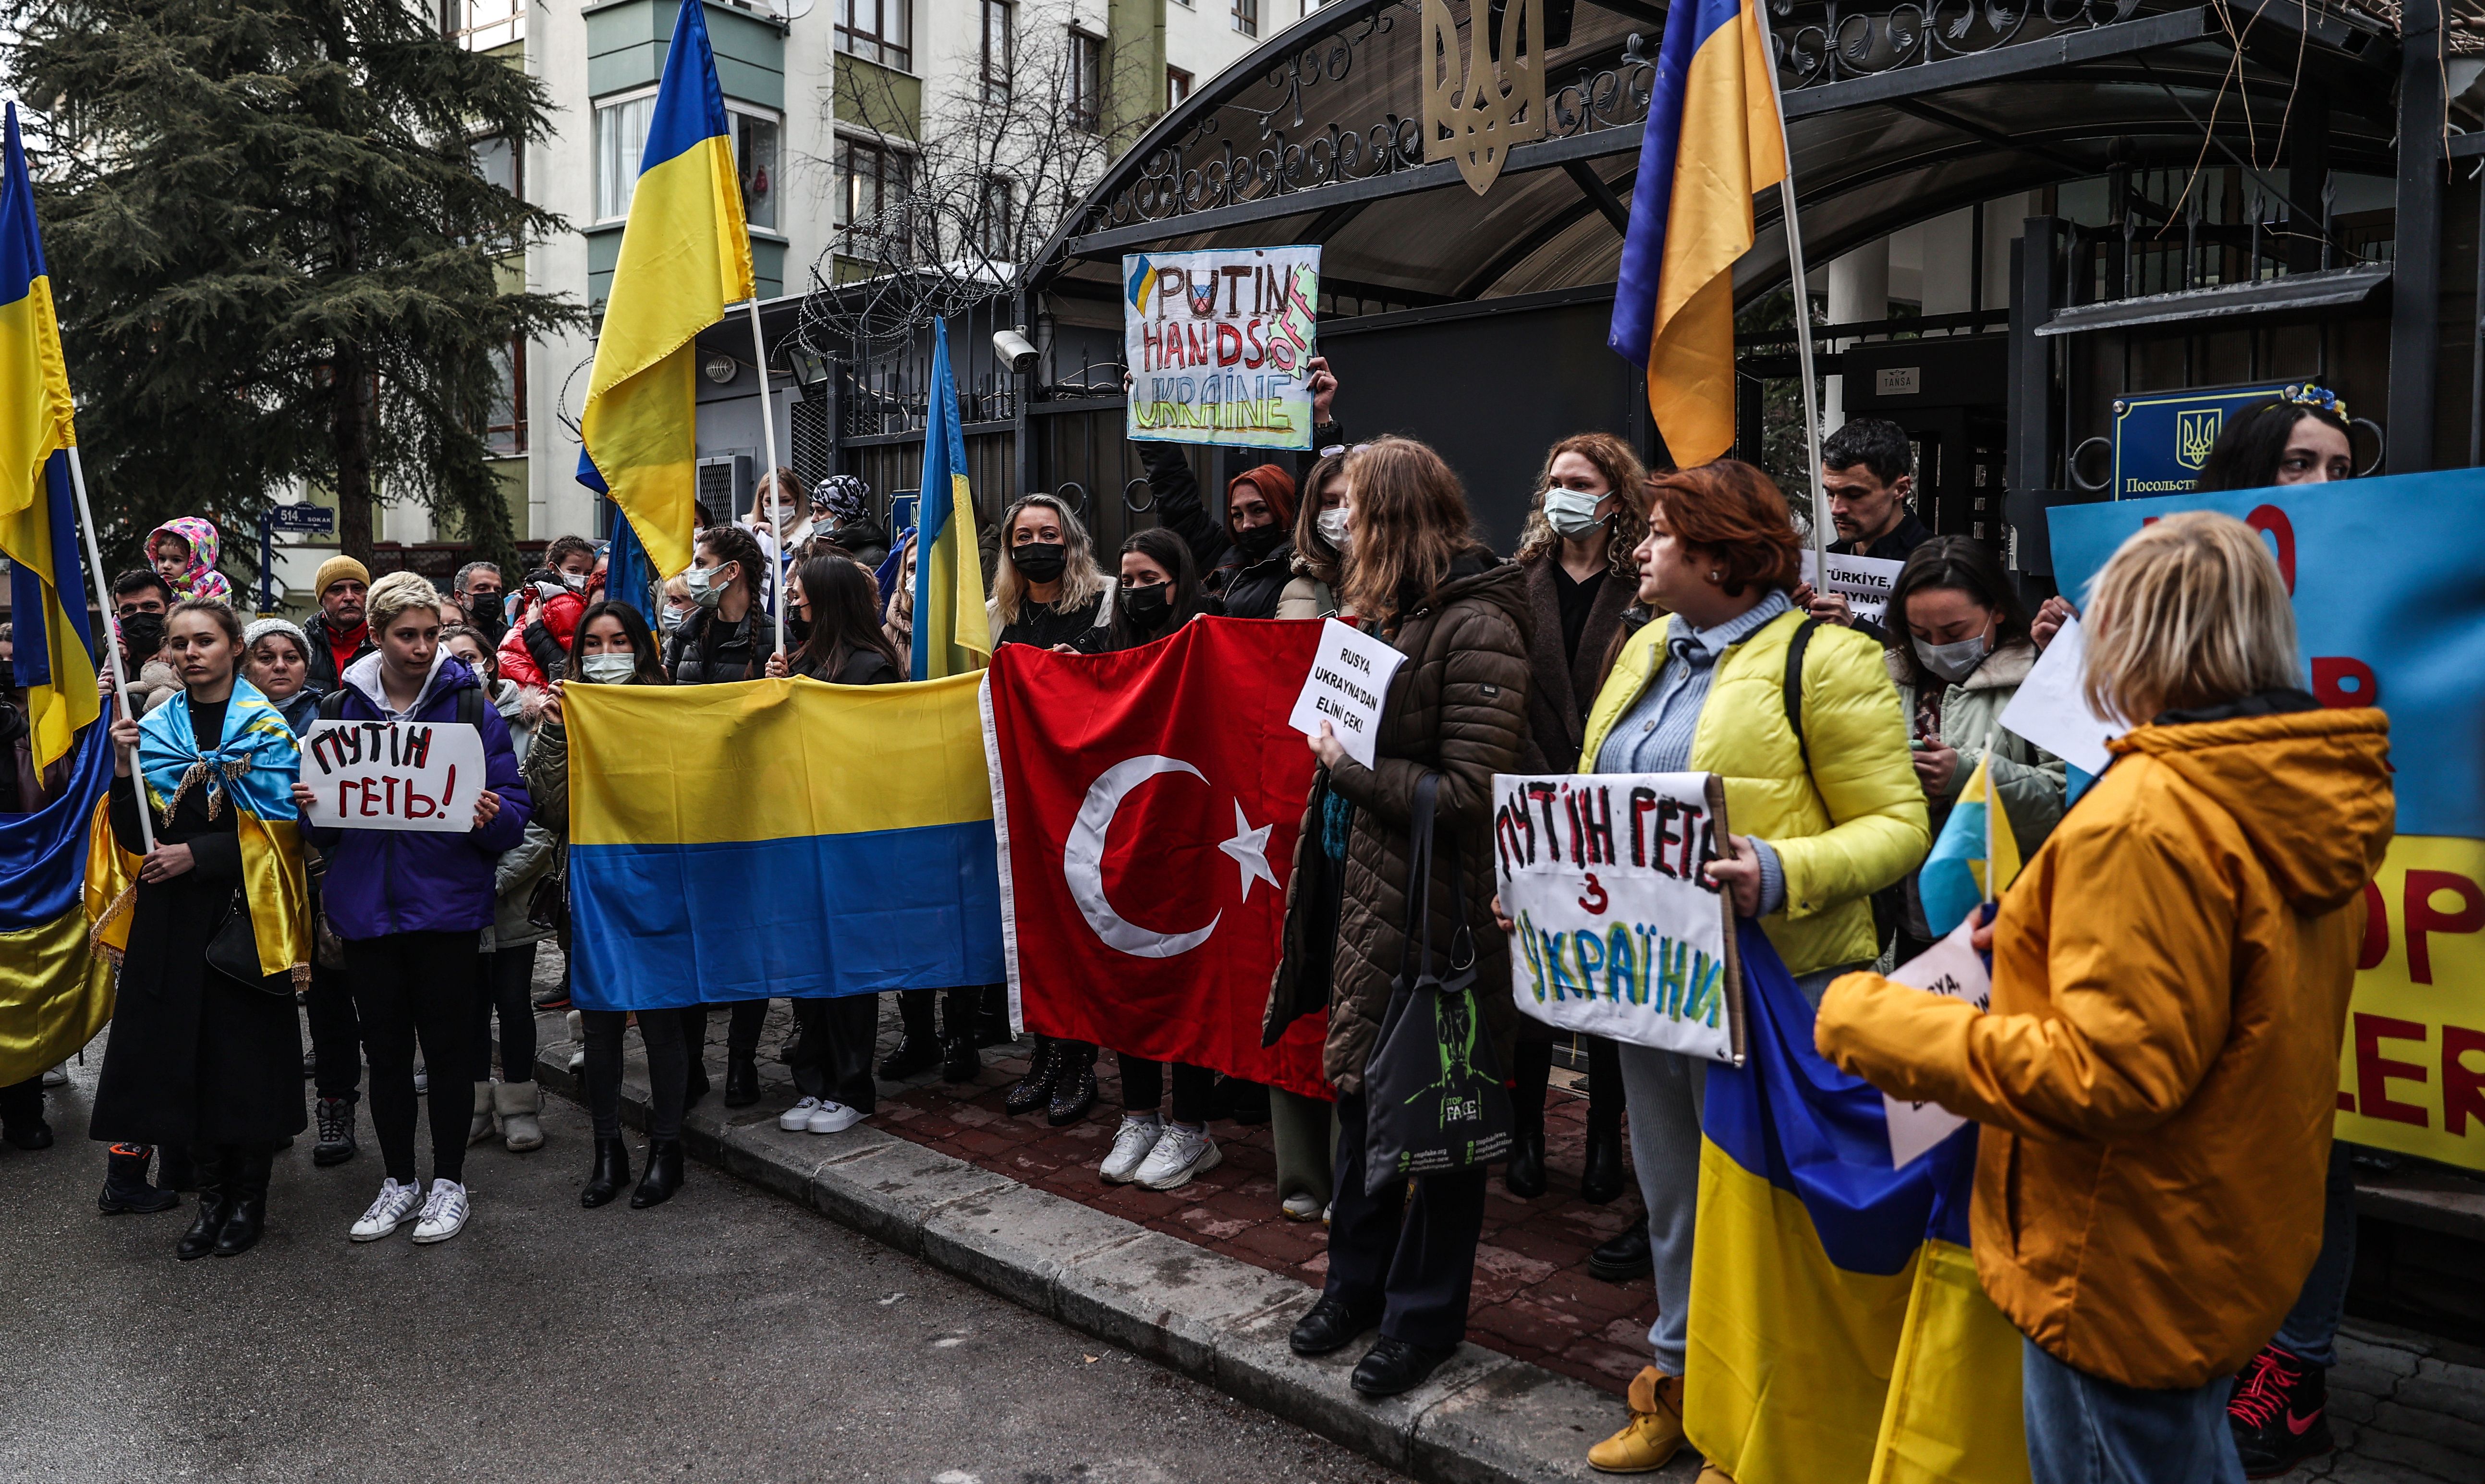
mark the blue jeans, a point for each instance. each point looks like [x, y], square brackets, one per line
[2086, 1430]
[2313, 1324]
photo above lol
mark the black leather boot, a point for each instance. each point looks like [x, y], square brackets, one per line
[1600, 1178]
[612, 1172]
[125, 1187]
[911, 1055]
[1035, 1089]
[214, 1205]
[1524, 1174]
[741, 1080]
[696, 1086]
[245, 1172]
[992, 1016]
[1074, 1085]
[960, 1061]
[664, 1174]
[1624, 1257]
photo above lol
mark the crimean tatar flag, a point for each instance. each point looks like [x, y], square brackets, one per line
[951, 634]
[1974, 859]
[1713, 139]
[53, 662]
[684, 255]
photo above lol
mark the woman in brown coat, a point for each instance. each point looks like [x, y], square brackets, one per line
[1456, 710]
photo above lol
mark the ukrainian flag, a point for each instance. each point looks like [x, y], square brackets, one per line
[1712, 140]
[684, 255]
[951, 634]
[779, 838]
[54, 994]
[1976, 858]
[1836, 1326]
[53, 662]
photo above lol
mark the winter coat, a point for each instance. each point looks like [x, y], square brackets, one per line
[1308, 595]
[199, 579]
[520, 709]
[158, 683]
[2030, 777]
[1458, 709]
[706, 652]
[867, 539]
[402, 881]
[2159, 1067]
[535, 652]
[321, 671]
[1087, 628]
[513, 888]
[1852, 824]
[1561, 687]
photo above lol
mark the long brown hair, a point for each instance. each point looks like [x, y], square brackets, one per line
[1312, 550]
[1411, 522]
[844, 606]
[1734, 513]
[1624, 475]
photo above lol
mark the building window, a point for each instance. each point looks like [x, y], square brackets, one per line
[505, 420]
[871, 180]
[1001, 49]
[880, 31]
[1246, 16]
[1086, 100]
[1176, 87]
[754, 161]
[501, 163]
[621, 142]
[480, 25]
[1000, 219]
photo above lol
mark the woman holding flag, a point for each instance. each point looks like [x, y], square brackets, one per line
[206, 1049]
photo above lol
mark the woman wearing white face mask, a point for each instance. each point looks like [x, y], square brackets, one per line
[728, 635]
[1319, 543]
[778, 506]
[1965, 653]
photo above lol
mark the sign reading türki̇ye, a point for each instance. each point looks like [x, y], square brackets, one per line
[393, 775]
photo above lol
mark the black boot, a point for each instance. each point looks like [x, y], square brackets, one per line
[1035, 1089]
[245, 1172]
[992, 1016]
[960, 1061]
[664, 1174]
[911, 1055]
[1624, 1257]
[1524, 1174]
[612, 1172]
[335, 1124]
[1600, 1178]
[214, 1206]
[125, 1187]
[741, 1080]
[1074, 1085]
[696, 1086]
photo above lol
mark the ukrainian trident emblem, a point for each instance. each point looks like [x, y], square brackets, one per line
[2196, 433]
[1481, 99]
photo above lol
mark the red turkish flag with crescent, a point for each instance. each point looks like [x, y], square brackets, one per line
[1146, 805]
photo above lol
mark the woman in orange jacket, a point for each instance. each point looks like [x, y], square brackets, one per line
[2159, 1065]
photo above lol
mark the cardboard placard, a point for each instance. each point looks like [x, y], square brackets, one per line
[1865, 582]
[1347, 687]
[1954, 969]
[393, 775]
[1216, 344]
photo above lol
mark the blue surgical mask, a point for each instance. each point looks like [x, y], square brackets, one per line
[1573, 512]
[1954, 662]
[609, 668]
[705, 590]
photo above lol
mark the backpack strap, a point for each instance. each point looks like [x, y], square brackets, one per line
[332, 707]
[1795, 649]
[469, 706]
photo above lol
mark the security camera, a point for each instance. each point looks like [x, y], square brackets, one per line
[1015, 349]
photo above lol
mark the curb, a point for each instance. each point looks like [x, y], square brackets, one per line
[1482, 1419]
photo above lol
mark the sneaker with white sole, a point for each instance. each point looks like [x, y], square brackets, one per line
[443, 1212]
[1131, 1142]
[1300, 1206]
[797, 1118]
[1182, 1153]
[397, 1202]
[833, 1117]
[57, 1076]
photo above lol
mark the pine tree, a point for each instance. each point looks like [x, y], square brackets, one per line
[274, 256]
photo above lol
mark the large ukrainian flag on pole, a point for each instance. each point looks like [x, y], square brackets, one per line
[53, 664]
[1712, 140]
[952, 635]
[684, 255]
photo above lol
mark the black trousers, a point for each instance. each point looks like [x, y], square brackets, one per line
[831, 1057]
[1414, 1260]
[505, 982]
[21, 1103]
[1143, 1087]
[1531, 1074]
[413, 988]
[336, 1033]
[669, 1070]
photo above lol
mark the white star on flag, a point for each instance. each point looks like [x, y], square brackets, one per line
[1250, 848]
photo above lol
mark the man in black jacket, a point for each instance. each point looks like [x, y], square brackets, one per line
[338, 633]
[1868, 468]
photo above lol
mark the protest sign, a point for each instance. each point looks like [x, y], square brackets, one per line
[1348, 684]
[1954, 969]
[393, 775]
[1217, 343]
[2387, 614]
[1619, 932]
[2051, 711]
[1865, 582]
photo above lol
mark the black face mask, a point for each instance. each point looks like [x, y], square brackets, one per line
[1256, 543]
[1148, 606]
[797, 631]
[1039, 561]
[142, 634]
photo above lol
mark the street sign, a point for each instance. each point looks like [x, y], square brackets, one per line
[302, 517]
[2161, 441]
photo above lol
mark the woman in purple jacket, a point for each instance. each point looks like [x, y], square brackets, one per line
[411, 906]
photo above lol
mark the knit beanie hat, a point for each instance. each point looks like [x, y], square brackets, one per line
[261, 628]
[336, 570]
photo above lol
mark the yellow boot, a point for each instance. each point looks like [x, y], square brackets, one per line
[1710, 1473]
[1649, 1440]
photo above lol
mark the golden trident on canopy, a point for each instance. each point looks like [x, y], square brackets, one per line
[1478, 101]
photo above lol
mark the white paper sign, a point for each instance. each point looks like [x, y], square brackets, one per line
[393, 775]
[1618, 930]
[1865, 582]
[2051, 712]
[1217, 343]
[1954, 969]
[1348, 684]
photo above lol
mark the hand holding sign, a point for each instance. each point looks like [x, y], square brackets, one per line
[394, 776]
[1348, 684]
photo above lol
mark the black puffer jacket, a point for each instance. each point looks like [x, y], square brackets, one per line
[706, 651]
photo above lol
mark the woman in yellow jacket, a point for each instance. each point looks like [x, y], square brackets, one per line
[2170, 977]
[1825, 806]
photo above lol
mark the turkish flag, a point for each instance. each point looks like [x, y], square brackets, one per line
[1148, 804]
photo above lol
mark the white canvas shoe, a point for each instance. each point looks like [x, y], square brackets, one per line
[395, 1204]
[1131, 1142]
[833, 1117]
[797, 1118]
[1182, 1153]
[443, 1212]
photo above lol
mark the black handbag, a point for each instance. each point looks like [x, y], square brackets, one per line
[234, 951]
[1434, 1100]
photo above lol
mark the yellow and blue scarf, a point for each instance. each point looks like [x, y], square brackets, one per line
[252, 769]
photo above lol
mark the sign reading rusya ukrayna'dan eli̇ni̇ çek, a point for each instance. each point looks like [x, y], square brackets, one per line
[1217, 343]
[1619, 932]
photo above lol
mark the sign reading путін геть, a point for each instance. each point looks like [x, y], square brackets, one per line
[393, 775]
[1217, 343]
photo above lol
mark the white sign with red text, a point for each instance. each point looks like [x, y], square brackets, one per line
[393, 775]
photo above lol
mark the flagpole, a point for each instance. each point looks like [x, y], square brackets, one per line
[776, 496]
[1802, 307]
[1992, 802]
[111, 635]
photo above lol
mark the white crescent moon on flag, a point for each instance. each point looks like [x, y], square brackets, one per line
[1082, 860]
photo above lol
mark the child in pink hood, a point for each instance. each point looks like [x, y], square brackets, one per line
[183, 553]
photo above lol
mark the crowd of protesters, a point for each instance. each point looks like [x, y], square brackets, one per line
[2159, 1209]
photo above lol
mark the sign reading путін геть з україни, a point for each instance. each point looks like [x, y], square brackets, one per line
[1218, 346]
[1619, 930]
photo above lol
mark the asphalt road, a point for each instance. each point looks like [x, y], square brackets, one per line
[725, 1335]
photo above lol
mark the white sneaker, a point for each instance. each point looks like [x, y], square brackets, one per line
[797, 1118]
[1300, 1206]
[57, 1076]
[1182, 1153]
[397, 1202]
[443, 1212]
[833, 1117]
[1131, 1142]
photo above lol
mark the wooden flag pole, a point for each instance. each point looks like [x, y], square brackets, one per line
[111, 637]
[768, 432]
[1802, 309]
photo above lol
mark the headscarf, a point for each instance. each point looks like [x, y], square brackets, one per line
[1276, 485]
[847, 498]
[251, 768]
[199, 579]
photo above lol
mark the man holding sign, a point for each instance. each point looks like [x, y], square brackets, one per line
[411, 788]
[1868, 468]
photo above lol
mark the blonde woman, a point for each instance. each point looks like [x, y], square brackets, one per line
[2160, 1064]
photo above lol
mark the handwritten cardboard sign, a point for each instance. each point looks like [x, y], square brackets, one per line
[1216, 344]
[1954, 969]
[1348, 684]
[1865, 582]
[1619, 931]
[393, 775]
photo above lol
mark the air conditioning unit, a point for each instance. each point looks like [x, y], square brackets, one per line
[725, 482]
